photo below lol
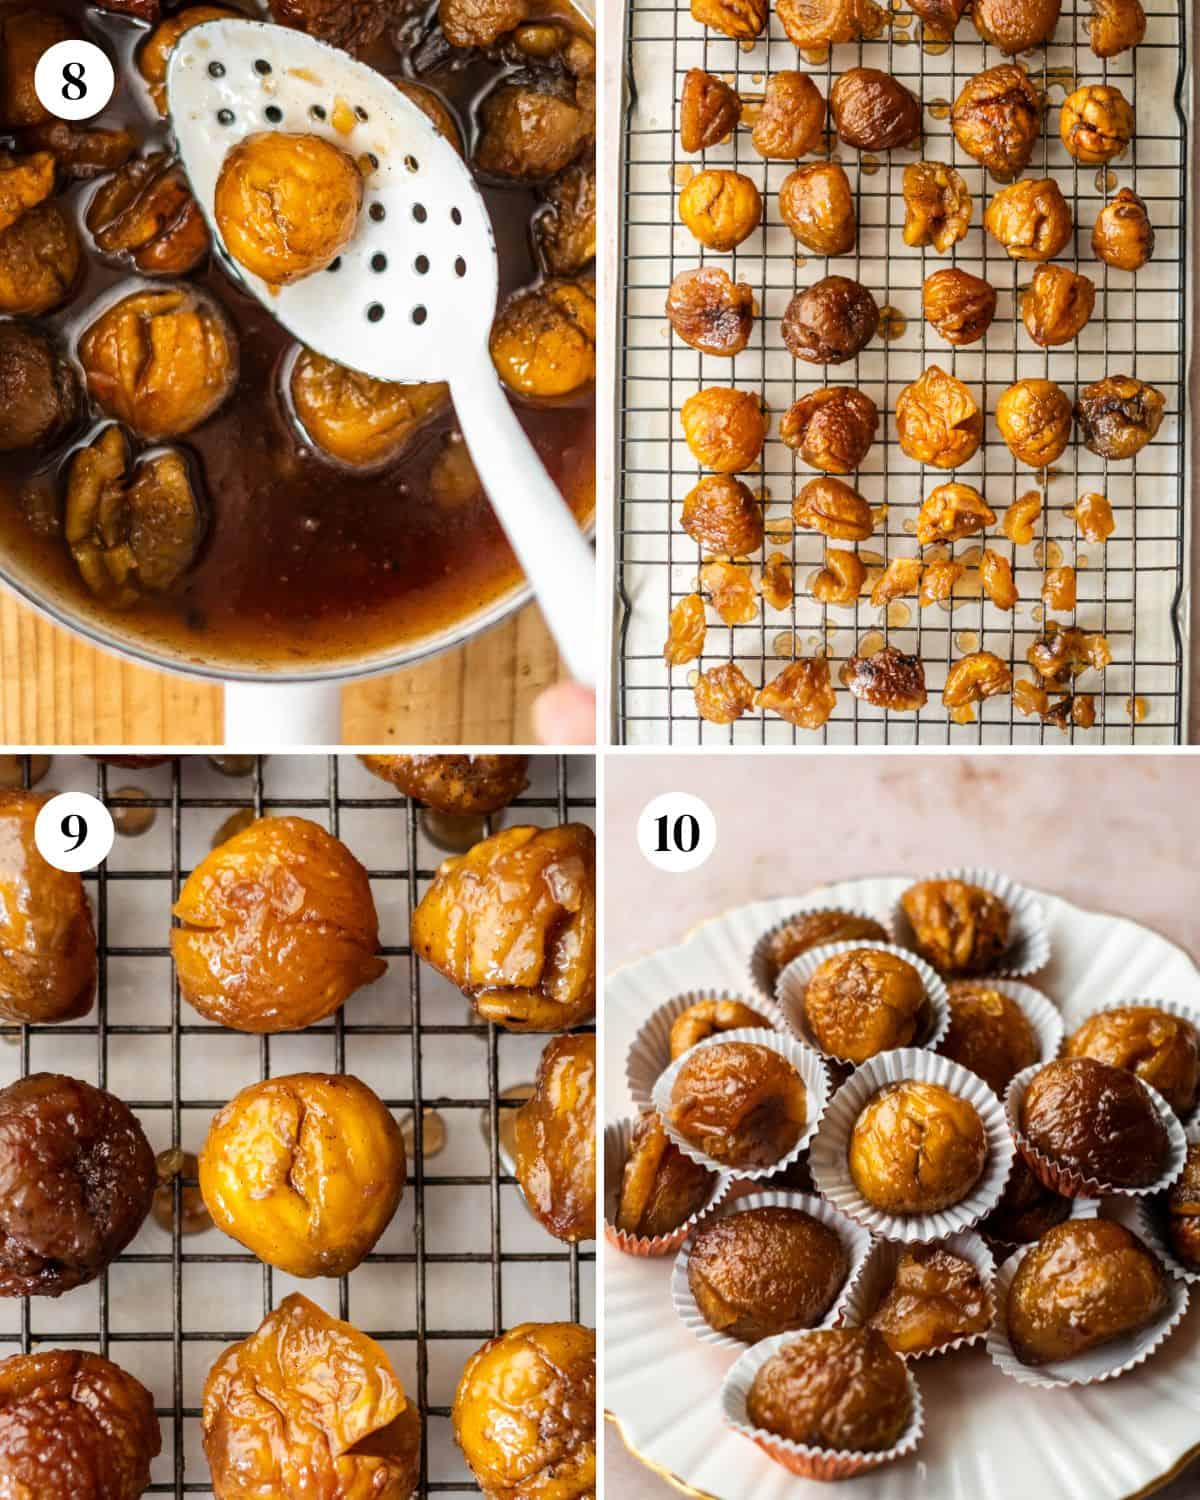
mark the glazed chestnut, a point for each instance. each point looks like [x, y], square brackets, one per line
[958, 305]
[709, 111]
[725, 429]
[1096, 1120]
[710, 311]
[863, 1002]
[25, 34]
[355, 419]
[74, 1426]
[1093, 515]
[566, 232]
[813, 24]
[832, 428]
[154, 57]
[555, 1134]
[1034, 418]
[723, 516]
[543, 342]
[938, 421]
[838, 1388]
[459, 785]
[817, 205]
[162, 362]
[80, 154]
[39, 394]
[831, 321]
[901, 576]
[888, 679]
[1122, 235]
[305, 1170]
[802, 694]
[1183, 1211]
[40, 259]
[997, 118]
[1064, 649]
[530, 133]
[1030, 219]
[1162, 1049]
[25, 181]
[1057, 305]
[525, 1413]
[309, 1403]
[513, 924]
[792, 117]
[350, 24]
[951, 512]
[1096, 123]
[989, 1033]
[940, 17]
[1119, 415]
[916, 1147]
[872, 111]
[723, 693]
[766, 1271]
[974, 677]
[1082, 1285]
[277, 928]
[840, 579]
[960, 929]
[76, 1182]
[730, 591]
[661, 1188]
[479, 23]
[1015, 25]
[740, 1103]
[937, 206]
[935, 1297]
[834, 509]
[814, 930]
[1026, 1209]
[1115, 26]
[740, 19]
[146, 214]
[686, 630]
[721, 208]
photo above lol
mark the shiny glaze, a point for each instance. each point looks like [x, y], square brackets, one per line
[455, 784]
[1096, 1119]
[741, 1104]
[555, 1135]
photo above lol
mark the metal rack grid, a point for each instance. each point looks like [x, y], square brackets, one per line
[167, 1307]
[1133, 589]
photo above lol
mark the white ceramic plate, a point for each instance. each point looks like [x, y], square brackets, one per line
[986, 1438]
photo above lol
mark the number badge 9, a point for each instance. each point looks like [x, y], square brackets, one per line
[677, 832]
[74, 80]
[74, 832]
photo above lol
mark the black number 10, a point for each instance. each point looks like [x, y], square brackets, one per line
[74, 87]
[74, 826]
[682, 836]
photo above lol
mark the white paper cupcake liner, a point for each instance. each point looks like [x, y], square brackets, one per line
[1028, 950]
[1041, 1013]
[617, 1140]
[650, 1054]
[877, 1275]
[759, 960]
[829, 1152]
[805, 1061]
[1071, 1184]
[1106, 1362]
[854, 1237]
[809, 1463]
[1149, 1222]
[1172, 1008]
[793, 982]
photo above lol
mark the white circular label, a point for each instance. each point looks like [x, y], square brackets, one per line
[74, 832]
[677, 832]
[74, 80]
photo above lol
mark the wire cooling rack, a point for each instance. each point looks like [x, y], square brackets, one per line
[1133, 589]
[463, 1257]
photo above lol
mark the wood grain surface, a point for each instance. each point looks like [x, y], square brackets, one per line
[56, 690]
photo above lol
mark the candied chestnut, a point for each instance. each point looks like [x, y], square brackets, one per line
[831, 428]
[555, 1135]
[958, 305]
[938, 580]
[162, 362]
[513, 924]
[686, 630]
[792, 117]
[960, 929]
[710, 311]
[80, 154]
[277, 928]
[1021, 517]
[1094, 517]
[39, 394]
[147, 214]
[723, 693]
[479, 23]
[725, 429]
[309, 1403]
[1162, 1049]
[974, 677]
[938, 420]
[777, 582]
[40, 258]
[940, 17]
[996, 579]
[834, 509]
[1030, 219]
[1057, 305]
[1034, 418]
[707, 1018]
[1095, 1119]
[901, 576]
[709, 111]
[741, 19]
[723, 516]
[937, 206]
[155, 55]
[460, 785]
[951, 512]
[935, 1297]
[1084, 1284]
[1115, 26]
[741, 1104]
[721, 208]
[1058, 588]
[362, 422]
[997, 118]
[1068, 649]
[1015, 25]
[801, 694]
[1183, 1211]
[989, 1032]
[525, 1413]
[813, 24]
[25, 34]
[543, 342]
[841, 578]
[837, 1388]
[74, 1426]
[863, 1002]
[814, 930]
[766, 1271]
[530, 133]
[1123, 235]
[1096, 123]
[566, 231]
[76, 1182]
[1119, 415]
[831, 321]
[352, 24]
[888, 679]
[25, 181]
[872, 111]
[816, 204]
[661, 1188]
[1026, 1209]
[916, 1147]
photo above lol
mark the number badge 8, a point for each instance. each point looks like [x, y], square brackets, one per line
[74, 80]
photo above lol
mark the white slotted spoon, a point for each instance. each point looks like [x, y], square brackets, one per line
[413, 294]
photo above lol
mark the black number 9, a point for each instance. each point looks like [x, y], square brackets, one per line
[74, 826]
[74, 87]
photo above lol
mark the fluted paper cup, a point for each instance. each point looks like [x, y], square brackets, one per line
[760, 969]
[617, 1140]
[1150, 1223]
[875, 1281]
[1171, 1008]
[650, 1054]
[1042, 1014]
[1028, 948]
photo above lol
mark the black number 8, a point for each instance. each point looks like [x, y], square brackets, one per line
[74, 88]
[74, 826]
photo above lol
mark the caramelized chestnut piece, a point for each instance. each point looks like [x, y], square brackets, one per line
[723, 516]
[543, 342]
[802, 694]
[813, 24]
[1183, 1211]
[40, 259]
[1123, 235]
[555, 1134]
[711, 312]
[1030, 219]
[996, 579]
[721, 208]
[154, 57]
[830, 321]
[686, 629]
[1094, 517]
[1096, 123]
[566, 232]
[872, 111]
[459, 785]
[940, 17]
[834, 509]
[1058, 588]
[1119, 415]
[951, 512]
[1162, 1049]
[741, 19]
[730, 591]
[1026, 1208]
[791, 119]
[958, 305]
[832, 428]
[935, 1298]
[837, 1388]
[708, 1018]
[39, 394]
[466, 23]
[356, 419]
[938, 580]
[530, 132]
[350, 24]
[1096, 1120]
[147, 213]
[997, 118]
[960, 929]
[989, 1032]
[1115, 26]
[25, 181]
[841, 578]
[1015, 25]
[864, 1002]
[901, 576]
[974, 677]
[937, 206]
[741, 1104]
[1067, 648]
[80, 154]
[725, 429]
[1057, 305]
[708, 111]
[1034, 418]
[661, 1188]
[916, 1148]
[723, 693]
[888, 679]
[1021, 517]
[938, 420]
[817, 205]
[814, 930]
